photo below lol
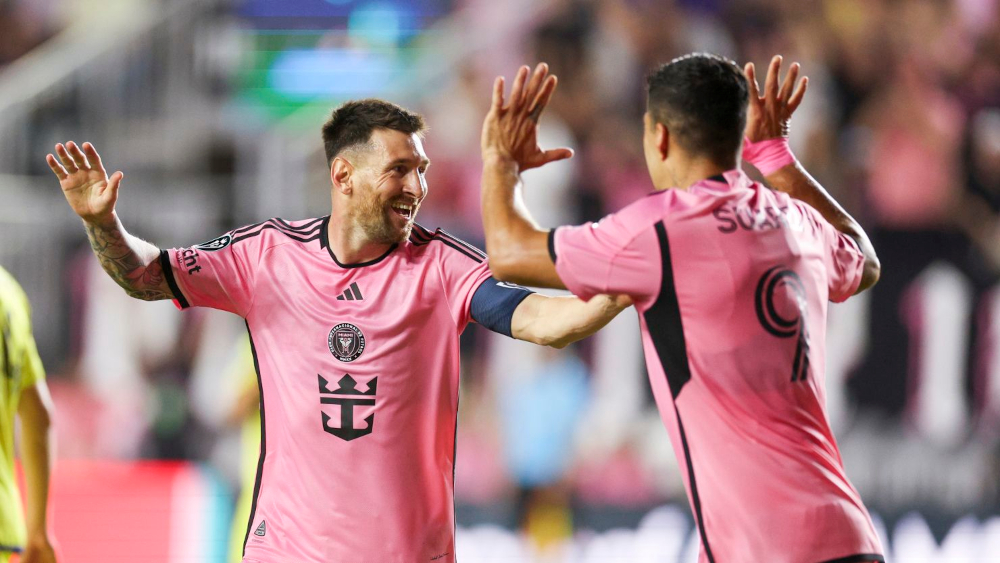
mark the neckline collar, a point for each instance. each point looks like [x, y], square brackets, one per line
[324, 242]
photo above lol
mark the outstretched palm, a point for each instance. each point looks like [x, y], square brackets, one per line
[511, 130]
[85, 183]
[768, 115]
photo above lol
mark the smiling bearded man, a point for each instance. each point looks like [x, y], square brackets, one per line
[354, 322]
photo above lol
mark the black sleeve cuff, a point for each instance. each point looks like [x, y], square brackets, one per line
[552, 245]
[168, 273]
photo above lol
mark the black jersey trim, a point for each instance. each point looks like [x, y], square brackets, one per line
[858, 558]
[417, 242]
[473, 248]
[281, 224]
[552, 245]
[695, 499]
[426, 235]
[263, 443]
[420, 232]
[265, 226]
[666, 330]
[420, 236]
[18, 549]
[664, 322]
[324, 242]
[168, 274]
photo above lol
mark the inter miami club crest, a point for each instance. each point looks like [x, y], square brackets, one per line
[346, 342]
[215, 244]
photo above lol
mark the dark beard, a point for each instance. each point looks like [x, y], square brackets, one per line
[376, 222]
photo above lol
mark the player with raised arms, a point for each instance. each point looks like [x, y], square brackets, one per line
[354, 322]
[731, 281]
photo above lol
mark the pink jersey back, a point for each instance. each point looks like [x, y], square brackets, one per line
[358, 369]
[732, 281]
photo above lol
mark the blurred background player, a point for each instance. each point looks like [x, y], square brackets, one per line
[734, 325]
[23, 393]
[355, 320]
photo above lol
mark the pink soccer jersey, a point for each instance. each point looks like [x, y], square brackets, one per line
[732, 281]
[358, 367]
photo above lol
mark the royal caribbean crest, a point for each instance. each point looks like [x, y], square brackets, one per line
[346, 342]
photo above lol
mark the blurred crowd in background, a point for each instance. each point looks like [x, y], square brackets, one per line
[213, 111]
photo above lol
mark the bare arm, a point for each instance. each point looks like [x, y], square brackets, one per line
[133, 263]
[559, 321]
[37, 455]
[767, 118]
[796, 182]
[518, 249]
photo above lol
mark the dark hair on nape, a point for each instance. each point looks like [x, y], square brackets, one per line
[353, 122]
[702, 100]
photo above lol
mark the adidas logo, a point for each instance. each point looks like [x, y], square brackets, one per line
[261, 530]
[352, 293]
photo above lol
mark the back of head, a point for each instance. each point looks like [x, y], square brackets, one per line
[702, 100]
[351, 125]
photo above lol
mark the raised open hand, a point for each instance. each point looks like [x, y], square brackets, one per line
[768, 115]
[85, 183]
[511, 130]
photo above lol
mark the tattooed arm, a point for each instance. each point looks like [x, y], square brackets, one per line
[132, 262]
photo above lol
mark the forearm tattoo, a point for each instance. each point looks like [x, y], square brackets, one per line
[141, 277]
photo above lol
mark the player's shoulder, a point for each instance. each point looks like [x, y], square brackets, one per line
[439, 244]
[270, 233]
[11, 293]
[640, 215]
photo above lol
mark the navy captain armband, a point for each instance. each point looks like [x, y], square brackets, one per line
[494, 303]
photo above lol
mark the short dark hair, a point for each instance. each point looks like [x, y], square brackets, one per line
[702, 99]
[352, 124]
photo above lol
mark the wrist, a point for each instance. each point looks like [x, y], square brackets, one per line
[500, 160]
[769, 155]
[106, 220]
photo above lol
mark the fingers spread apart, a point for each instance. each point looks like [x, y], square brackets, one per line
[57, 168]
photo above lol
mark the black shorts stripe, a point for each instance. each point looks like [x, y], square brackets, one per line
[263, 443]
[168, 274]
[666, 330]
[266, 226]
[859, 558]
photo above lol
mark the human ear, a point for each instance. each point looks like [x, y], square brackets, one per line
[662, 141]
[341, 175]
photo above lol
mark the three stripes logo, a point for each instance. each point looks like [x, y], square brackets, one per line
[783, 288]
[352, 293]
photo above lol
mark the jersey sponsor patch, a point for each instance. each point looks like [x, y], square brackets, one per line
[215, 244]
[346, 342]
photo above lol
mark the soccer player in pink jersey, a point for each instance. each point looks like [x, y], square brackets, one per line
[731, 280]
[354, 321]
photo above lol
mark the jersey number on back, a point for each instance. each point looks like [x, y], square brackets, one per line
[781, 310]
